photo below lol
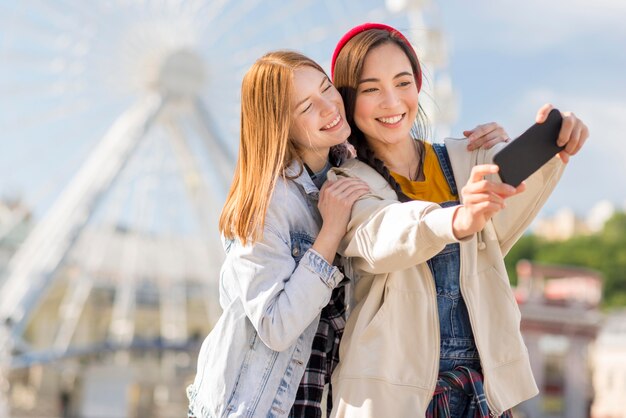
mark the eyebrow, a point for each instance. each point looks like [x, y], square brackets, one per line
[403, 73]
[307, 98]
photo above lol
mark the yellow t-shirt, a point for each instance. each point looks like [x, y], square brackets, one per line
[434, 188]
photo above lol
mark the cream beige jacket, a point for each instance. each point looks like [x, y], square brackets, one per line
[390, 349]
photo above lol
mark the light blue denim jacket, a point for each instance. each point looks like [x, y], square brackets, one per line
[271, 293]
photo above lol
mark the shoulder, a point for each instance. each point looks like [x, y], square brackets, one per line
[355, 164]
[357, 168]
[456, 147]
[461, 159]
[289, 208]
[284, 188]
[457, 151]
[377, 183]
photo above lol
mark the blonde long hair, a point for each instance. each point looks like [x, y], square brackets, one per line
[265, 149]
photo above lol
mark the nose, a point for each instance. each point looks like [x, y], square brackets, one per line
[389, 99]
[327, 107]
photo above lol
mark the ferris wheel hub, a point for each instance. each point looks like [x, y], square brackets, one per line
[181, 73]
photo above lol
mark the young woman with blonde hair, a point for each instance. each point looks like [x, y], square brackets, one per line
[281, 228]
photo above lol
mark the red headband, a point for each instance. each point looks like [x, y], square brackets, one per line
[367, 26]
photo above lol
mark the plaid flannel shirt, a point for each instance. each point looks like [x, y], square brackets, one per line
[323, 360]
[467, 380]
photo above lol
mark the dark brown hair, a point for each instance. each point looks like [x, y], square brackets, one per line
[348, 69]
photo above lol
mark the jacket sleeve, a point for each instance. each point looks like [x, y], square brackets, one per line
[386, 235]
[281, 298]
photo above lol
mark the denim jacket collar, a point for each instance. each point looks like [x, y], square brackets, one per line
[301, 177]
[338, 154]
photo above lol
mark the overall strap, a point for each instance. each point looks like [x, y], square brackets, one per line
[446, 166]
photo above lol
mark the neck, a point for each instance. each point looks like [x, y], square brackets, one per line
[315, 160]
[402, 158]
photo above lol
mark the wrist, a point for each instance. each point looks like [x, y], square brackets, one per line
[326, 243]
[461, 227]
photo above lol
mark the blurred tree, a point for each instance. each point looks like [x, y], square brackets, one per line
[604, 251]
[524, 249]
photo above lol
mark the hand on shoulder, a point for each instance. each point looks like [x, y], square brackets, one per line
[486, 136]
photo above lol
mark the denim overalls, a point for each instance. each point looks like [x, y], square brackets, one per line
[457, 347]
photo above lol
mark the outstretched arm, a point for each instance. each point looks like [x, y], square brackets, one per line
[511, 223]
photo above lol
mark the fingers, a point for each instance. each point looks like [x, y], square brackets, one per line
[581, 136]
[337, 198]
[572, 136]
[489, 141]
[345, 189]
[542, 113]
[481, 130]
[485, 136]
[496, 193]
[573, 141]
[477, 182]
[567, 127]
[341, 185]
[478, 190]
[482, 170]
[356, 193]
[482, 199]
[478, 198]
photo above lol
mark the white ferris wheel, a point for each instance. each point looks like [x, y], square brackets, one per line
[120, 119]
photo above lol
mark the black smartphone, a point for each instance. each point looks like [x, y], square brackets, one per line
[529, 151]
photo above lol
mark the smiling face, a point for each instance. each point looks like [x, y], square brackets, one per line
[318, 121]
[387, 97]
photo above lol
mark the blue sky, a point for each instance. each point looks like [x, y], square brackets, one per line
[64, 80]
[508, 58]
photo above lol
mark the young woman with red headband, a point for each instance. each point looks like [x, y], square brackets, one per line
[435, 326]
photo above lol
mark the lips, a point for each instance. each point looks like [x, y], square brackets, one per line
[391, 120]
[332, 124]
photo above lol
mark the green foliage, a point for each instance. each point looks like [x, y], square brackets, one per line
[604, 252]
[524, 249]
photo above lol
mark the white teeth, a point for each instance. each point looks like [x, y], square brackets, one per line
[333, 123]
[391, 120]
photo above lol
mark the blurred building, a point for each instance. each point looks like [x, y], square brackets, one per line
[560, 319]
[15, 224]
[566, 223]
[608, 359]
[563, 225]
